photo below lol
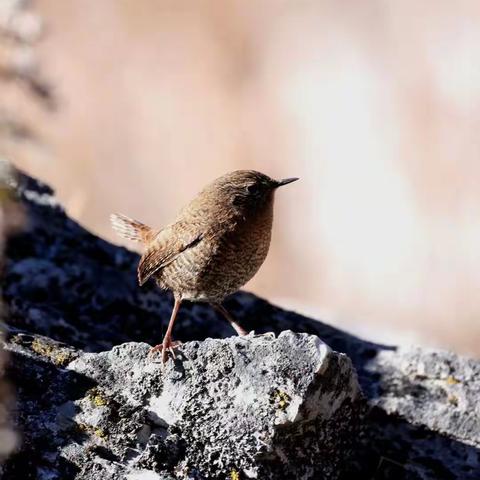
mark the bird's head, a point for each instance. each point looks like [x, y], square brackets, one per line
[248, 188]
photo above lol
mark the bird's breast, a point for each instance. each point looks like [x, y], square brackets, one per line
[223, 261]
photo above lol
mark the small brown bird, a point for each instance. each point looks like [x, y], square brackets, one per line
[216, 245]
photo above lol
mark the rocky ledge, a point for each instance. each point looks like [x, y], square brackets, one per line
[91, 404]
[243, 407]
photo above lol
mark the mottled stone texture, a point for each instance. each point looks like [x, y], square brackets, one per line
[111, 413]
[255, 407]
[239, 406]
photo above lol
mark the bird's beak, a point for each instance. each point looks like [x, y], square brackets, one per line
[286, 181]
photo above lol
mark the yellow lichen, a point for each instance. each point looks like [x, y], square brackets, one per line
[234, 475]
[57, 355]
[62, 358]
[84, 428]
[100, 433]
[99, 401]
[41, 348]
[96, 397]
[451, 380]
[281, 399]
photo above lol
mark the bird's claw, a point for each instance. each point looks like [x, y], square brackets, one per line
[165, 348]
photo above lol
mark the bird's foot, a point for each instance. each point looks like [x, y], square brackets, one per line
[168, 346]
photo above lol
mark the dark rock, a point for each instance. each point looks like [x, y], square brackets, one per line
[90, 415]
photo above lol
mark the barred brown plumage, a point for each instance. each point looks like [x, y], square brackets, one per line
[217, 243]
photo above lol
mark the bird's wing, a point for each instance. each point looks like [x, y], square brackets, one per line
[165, 248]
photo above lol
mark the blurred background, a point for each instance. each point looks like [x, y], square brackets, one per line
[374, 104]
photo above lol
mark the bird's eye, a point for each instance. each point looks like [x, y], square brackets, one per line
[253, 189]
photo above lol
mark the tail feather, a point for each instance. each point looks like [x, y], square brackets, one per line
[130, 229]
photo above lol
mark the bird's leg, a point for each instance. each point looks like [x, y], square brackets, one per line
[221, 309]
[168, 345]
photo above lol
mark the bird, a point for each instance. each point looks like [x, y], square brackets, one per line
[216, 244]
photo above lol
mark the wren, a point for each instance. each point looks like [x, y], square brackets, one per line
[216, 244]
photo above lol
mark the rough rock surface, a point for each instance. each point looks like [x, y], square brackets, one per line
[250, 407]
[70, 293]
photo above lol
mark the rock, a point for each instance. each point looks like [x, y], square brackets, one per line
[440, 390]
[238, 406]
[242, 407]
[425, 421]
[89, 405]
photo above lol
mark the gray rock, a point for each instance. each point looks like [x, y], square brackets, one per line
[439, 390]
[242, 407]
[239, 406]
[425, 420]
[72, 297]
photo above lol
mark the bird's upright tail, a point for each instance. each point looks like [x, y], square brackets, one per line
[131, 229]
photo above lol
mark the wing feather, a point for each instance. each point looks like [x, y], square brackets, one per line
[165, 248]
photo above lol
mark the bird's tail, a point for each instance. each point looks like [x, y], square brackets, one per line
[131, 229]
